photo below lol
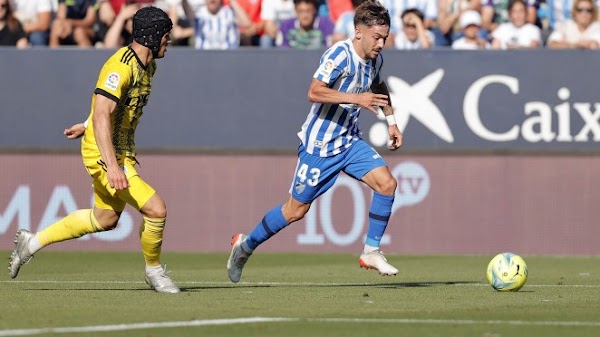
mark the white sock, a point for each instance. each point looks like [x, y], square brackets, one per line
[369, 249]
[34, 245]
[153, 269]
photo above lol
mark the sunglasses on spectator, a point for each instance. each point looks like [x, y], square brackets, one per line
[409, 25]
[581, 10]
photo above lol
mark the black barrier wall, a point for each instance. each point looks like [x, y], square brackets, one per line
[256, 99]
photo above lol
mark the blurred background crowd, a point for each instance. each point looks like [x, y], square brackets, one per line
[305, 24]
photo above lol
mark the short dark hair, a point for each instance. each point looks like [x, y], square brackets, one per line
[315, 3]
[356, 3]
[415, 11]
[371, 13]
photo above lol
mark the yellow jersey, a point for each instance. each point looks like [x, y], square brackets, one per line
[125, 80]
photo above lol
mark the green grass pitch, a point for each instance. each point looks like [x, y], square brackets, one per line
[103, 294]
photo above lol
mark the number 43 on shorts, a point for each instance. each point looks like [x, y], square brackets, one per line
[314, 175]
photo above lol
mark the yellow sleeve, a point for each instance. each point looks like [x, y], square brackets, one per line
[114, 80]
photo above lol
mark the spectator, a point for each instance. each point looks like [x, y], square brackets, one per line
[336, 8]
[560, 11]
[107, 11]
[120, 33]
[581, 32]
[105, 17]
[493, 13]
[344, 26]
[74, 23]
[470, 22]
[307, 31]
[250, 36]
[429, 8]
[517, 33]
[216, 25]
[11, 31]
[449, 12]
[36, 17]
[181, 13]
[413, 34]
[272, 13]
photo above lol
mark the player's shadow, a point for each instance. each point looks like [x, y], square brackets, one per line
[423, 284]
[300, 285]
[389, 285]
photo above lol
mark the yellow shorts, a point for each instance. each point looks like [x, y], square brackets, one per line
[106, 197]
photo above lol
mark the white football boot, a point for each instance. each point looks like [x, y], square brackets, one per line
[376, 260]
[237, 258]
[160, 281]
[21, 254]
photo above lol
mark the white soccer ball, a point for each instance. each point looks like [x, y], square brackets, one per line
[507, 272]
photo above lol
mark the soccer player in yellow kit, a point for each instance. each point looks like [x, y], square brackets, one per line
[108, 151]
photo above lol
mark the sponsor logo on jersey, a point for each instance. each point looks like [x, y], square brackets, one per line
[112, 81]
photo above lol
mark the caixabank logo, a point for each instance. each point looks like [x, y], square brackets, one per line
[514, 116]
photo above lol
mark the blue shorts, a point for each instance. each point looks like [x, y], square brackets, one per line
[315, 175]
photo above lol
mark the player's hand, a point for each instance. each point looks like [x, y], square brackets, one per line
[370, 101]
[75, 131]
[396, 137]
[117, 178]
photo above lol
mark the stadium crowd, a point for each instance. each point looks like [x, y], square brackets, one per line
[306, 24]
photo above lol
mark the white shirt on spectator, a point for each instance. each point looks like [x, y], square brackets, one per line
[27, 11]
[509, 34]
[195, 4]
[568, 32]
[216, 31]
[465, 44]
[277, 10]
[402, 42]
[429, 8]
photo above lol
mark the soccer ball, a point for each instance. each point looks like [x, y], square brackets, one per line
[507, 272]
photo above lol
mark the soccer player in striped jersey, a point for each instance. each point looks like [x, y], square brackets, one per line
[108, 151]
[347, 81]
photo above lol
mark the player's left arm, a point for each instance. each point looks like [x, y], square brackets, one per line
[396, 137]
[75, 131]
[319, 92]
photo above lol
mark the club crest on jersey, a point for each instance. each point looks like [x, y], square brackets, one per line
[112, 81]
[299, 187]
[327, 67]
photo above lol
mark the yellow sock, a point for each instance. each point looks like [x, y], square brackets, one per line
[151, 234]
[74, 225]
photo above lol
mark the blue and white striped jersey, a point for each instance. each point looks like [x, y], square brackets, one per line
[329, 129]
[216, 31]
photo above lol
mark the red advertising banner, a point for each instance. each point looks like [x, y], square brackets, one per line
[444, 204]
